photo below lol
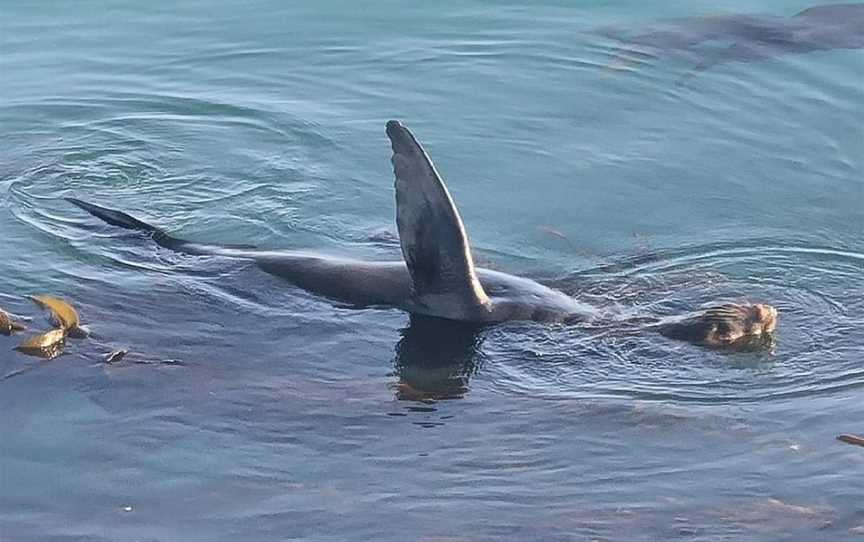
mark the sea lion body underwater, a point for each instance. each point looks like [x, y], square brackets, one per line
[718, 39]
[437, 276]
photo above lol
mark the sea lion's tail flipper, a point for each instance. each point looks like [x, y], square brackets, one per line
[115, 218]
[123, 220]
[433, 239]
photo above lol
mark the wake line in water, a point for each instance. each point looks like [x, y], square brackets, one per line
[651, 259]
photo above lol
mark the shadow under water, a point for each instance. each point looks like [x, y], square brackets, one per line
[710, 40]
[436, 358]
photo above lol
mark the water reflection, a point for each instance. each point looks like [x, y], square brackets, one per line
[435, 358]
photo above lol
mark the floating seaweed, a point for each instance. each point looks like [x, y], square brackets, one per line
[50, 344]
[8, 325]
[63, 314]
[46, 345]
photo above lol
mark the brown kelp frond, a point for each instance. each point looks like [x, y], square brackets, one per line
[64, 315]
[46, 345]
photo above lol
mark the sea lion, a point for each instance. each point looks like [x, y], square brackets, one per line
[437, 277]
[723, 326]
[717, 39]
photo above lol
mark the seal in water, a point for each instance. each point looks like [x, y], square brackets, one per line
[437, 277]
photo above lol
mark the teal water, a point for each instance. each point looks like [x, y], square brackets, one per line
[290, 418]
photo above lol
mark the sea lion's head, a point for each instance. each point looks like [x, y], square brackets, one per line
[734, 324]
[737, 326]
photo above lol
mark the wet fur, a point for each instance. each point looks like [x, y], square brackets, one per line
[723, 325]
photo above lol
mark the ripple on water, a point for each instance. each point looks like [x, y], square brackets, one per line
[817, 349]
[133, 148]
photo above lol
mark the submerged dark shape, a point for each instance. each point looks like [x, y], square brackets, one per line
[438, 277]
[851, 439]
[435, 358]
[716, 39]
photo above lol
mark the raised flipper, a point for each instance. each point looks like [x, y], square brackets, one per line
[433, 239]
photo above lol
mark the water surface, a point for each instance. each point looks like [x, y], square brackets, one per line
[290, 418]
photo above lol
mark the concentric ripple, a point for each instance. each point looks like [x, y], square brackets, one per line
[817, 349]
[167, 158]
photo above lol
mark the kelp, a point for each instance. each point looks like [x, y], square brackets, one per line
[63, 314]
[8, 326]
[47, 345]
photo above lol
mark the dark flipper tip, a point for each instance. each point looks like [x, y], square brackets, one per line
[76, 202]
[401, 139]
[115, 218]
